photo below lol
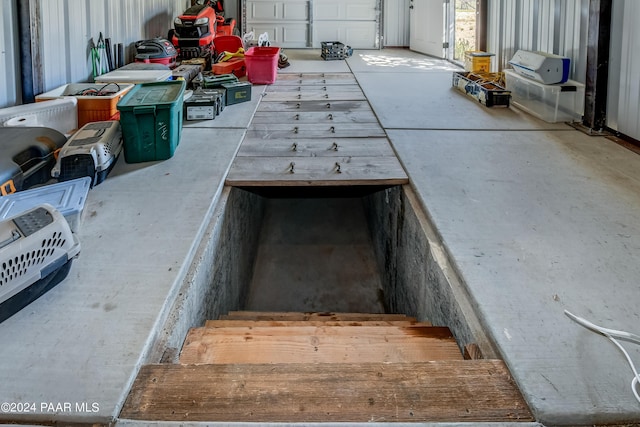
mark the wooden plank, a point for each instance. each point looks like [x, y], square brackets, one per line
[297, 81]
[438, 391]
[328, 95]
[315, 117]
[321, 77]
[321, 344]
[327, 88]
[306, 130]
[316, 171]
[298, 106]
[309, 315]
[322, 147]
[289, 323]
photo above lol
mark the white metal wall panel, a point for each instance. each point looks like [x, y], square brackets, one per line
[396, 23]
[555, 26]
[623, 105]
[9, 57]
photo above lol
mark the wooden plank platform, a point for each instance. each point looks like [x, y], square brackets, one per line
[438, 391]
[298, 138]
[324, 344]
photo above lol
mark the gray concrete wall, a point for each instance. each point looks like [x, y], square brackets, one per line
[219, 274]
[417, 277]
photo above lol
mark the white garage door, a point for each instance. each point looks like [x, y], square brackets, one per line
[307, 23]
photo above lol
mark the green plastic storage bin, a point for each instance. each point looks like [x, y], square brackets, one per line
[151, 120]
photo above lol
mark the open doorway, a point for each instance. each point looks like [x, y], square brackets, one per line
[464, 16]
[444, 29]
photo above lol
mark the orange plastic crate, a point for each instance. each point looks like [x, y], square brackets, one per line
[91, 108]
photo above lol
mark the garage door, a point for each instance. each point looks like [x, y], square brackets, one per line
[307, 23]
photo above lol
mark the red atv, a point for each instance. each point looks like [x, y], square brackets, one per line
[196, 28]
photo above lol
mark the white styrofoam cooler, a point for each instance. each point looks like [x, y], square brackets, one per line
[552, 103]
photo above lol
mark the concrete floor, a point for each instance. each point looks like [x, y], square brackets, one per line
[315, 255]
[537, 218]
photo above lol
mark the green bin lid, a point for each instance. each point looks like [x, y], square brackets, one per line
[156, 93]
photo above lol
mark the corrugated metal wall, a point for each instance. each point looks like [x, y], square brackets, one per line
[396, 23]
[555, 26]
[67, 28]
[623, 105]
[69, 25]
[9, 58]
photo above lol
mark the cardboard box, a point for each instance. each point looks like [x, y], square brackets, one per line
[482, 87]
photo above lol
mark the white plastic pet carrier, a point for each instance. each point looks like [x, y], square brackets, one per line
[36, 251]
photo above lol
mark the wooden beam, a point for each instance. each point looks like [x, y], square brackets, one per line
[294, 315]
[441, 391]
[262, 323]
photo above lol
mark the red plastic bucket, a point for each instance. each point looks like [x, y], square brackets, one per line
[262, 64]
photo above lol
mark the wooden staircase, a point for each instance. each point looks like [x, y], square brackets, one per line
[324, 367]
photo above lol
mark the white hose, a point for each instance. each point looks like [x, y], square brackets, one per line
[612, 334]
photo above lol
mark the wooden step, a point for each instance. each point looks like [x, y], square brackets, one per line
[439, 391]
[262, 323]
[319, 344]
[276, 315]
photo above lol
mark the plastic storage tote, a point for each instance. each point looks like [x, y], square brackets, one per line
[135, 76]
[551, 103]
[96, 101]
[151, 120]
[262, 64]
